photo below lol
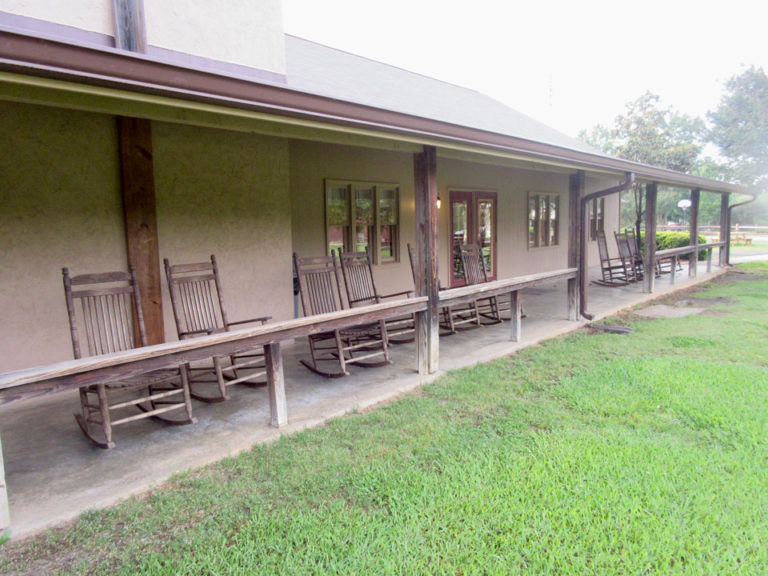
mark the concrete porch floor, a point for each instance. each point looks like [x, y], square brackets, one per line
[53, 473]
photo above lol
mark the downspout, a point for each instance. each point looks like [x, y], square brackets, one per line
[728, 226]
[583, 271]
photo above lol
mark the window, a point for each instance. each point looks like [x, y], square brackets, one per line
[360, 215]
[543, 220]
[596, 217]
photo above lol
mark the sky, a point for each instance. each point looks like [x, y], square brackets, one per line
[569, 64]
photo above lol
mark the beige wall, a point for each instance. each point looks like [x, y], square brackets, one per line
[249, 199]
[225, 193]
[312, 162]
[59, 206]
[246, 33]
[90, 15]
[217, 192]
[243, 33]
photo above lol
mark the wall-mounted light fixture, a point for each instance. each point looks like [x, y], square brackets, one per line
[438, 202]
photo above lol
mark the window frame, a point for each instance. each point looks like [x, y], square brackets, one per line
[381, 192]
[543, 224]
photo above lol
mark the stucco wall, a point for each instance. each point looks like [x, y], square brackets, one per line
[225, 193]
[311, 163]
[217, 192]
[246, 33]
[59, 206]
[90, 15]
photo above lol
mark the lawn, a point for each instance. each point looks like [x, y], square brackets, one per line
[595, 453]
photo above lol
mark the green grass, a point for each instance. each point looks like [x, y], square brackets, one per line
[596, 454]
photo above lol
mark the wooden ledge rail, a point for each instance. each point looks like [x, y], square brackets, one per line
[512, 286]
[466, 294]
[70, 374]
[709, 246]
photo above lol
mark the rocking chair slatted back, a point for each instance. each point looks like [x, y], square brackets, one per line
[319, 284]
[472, 260]
[602, 246]
[108, 309]
[357, 269]
[105, 308]
[196, 298]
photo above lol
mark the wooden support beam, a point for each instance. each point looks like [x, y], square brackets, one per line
[693, 260]
[516, 313]
[725, 230]
[575, 192]
[427, 329]
[276, 385]
[651, 193]
[130, 27]
[138, 187]
[5, 513]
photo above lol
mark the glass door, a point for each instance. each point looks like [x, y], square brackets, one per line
[473, 221]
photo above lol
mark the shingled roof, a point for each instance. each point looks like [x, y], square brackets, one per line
[326, 71]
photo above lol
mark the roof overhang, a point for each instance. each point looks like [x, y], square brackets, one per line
[42, 70]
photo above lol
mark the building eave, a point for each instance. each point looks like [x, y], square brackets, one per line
[130, 73]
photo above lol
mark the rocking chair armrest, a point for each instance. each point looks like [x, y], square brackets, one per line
[262, 319]
[204, 332]
[407, 293]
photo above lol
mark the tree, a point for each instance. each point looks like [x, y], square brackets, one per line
[650, 134]
[740, 126]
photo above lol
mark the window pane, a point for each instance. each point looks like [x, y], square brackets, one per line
[533, 202]
[460, 231]
[337, 207]
[485, 234]
[388, 207]
[335, 238]
[387, 242]
[543, 221]
[363, 218]
[554, 208]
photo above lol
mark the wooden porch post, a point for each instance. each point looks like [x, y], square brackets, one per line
[575, 192]
[425, 188]
[651, 192]
[138, 181]
[5, 512]
[693, 263]
[725, 232]
[138, 186]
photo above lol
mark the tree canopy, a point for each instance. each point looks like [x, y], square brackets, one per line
[652, 134]
[740, 127]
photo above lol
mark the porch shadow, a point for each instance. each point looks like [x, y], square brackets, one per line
[53, 474]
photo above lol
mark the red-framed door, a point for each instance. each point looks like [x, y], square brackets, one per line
[473, 221]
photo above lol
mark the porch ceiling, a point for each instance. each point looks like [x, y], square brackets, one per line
[44, 71]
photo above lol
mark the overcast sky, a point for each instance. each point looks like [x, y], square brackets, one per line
[570, 64]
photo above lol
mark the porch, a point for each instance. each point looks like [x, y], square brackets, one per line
[53, 474]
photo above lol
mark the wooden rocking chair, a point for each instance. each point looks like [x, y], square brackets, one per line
[474, 273]
[614, 270]
[107, 308]
[357, 270]
[198, 309]
[452, 318]
[320, 293]
[625, 255]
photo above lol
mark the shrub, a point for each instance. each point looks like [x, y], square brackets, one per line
[667, 240]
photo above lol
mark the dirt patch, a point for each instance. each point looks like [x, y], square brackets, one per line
[666, 311]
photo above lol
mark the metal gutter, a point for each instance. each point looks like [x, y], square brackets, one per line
[41, 57]
[583, 266]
